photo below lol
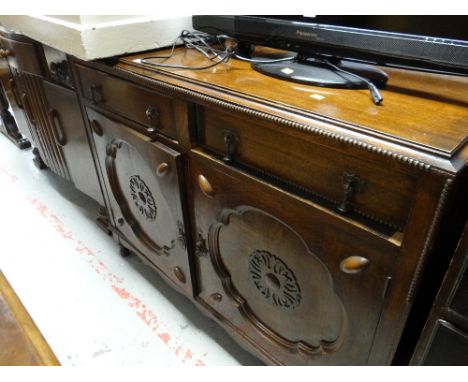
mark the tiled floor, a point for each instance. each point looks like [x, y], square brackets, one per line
[93, 306]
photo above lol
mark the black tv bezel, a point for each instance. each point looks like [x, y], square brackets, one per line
[278, 33]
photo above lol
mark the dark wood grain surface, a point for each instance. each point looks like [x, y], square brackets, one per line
[427, 110]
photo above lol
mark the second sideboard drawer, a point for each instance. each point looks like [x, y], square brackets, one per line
[23, 54]
[152, 110]
[350, 183]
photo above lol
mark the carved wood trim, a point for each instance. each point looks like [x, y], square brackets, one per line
[325, 347]
[277, 179]
[429, 240]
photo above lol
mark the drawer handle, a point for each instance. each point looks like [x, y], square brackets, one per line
[4, 53]
[96, 94]
[60, 71]
[201, 248]
[14, 90]
[354, 264]
[97, 128]
[57, 129]
[162, 169]
[152, 114]
[27, 109]
[205, 186]
[230, 143]
[351, 185]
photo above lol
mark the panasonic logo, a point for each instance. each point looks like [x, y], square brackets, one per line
[305, 34]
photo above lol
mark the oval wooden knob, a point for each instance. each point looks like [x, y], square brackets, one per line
[179, 274]
[162, 169]
[215, 297]
[96, 127]
[354, 264]
[4, 53]
[205, 186]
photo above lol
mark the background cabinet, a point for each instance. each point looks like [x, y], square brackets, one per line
[444, 340]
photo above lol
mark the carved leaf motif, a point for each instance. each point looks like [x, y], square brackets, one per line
[284, 290]
[143, 198]
[291, 299]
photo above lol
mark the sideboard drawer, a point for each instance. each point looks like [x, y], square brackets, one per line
[23, 54]
[351, 184]
[152, 110]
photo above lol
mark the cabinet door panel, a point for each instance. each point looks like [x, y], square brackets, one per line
[70, 134]
[142, 181]
[287, 276]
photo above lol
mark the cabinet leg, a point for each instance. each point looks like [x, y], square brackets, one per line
[38, 162]
[103, 220]
[11, 131]
[124, 252]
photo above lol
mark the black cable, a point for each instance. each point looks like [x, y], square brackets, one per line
[264, 61]
[198, 41]
[202, 43]
[374, 91]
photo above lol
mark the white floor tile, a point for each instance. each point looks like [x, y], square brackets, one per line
[93, 306]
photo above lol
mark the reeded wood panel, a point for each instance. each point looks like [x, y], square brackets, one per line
[36, 109]
[142, 182]
[274, 268]
[69, 133]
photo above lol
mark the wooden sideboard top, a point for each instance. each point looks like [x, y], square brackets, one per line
[421, 111]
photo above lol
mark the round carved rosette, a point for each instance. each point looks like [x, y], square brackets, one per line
[275, 281]
[143, 198]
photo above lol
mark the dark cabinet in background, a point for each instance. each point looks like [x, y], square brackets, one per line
[444, 341]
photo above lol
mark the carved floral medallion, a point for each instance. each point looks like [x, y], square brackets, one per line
[142, 198]
[274, 280]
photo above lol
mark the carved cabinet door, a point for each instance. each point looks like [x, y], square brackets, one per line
[142, 182]
[291, 281]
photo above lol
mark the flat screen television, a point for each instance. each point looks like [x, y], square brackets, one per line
[428, 43]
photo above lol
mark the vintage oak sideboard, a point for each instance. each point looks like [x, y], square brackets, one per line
[313, 225]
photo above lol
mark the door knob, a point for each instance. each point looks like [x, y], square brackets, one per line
[162, 169]
[205, 186]
[354, 264]
[4, 53]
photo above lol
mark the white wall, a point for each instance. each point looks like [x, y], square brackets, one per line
[92, 36]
